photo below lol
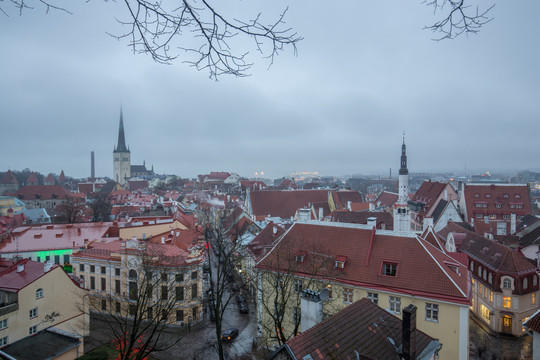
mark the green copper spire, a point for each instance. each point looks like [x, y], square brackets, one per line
[121, 147]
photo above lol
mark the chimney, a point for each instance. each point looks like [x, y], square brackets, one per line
[349, 205]
[92, 166]
[311, 307]
[274, 230]
[512, 224]
[47, 266]
[20, 267]
[304, 214]
[372, 222]
[321, 214]
[371, 206]
[408, 334]
[163, 239]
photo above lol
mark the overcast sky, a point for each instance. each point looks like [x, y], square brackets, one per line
[365, 72]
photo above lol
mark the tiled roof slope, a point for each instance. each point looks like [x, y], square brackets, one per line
[531, 238]
[422, 269]
[284, 203]
[264, 240]
[386, 198]
[428, 193]
[494, 255]
[363, 327]
[9, 178]
[32, 179]
[341, 198]
[12, 280]
[43, 192]
[352, 217]
[534, 322]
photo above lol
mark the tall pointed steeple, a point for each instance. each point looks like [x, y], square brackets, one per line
[403, 169]
[121, 147]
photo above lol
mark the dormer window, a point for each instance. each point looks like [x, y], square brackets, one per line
[517, 196]
[300, 256]
[505, 196]
[476, 195]
[389, 269]
[488, 195]
[507, 284]
[339, 263]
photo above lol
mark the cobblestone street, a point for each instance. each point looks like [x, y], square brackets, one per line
[487, 346]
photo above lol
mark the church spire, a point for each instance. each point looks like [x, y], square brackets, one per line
[403, 169]
[121, 147]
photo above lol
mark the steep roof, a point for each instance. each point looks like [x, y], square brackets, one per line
[362, 327]
[428, 193]
[43, 192]
[530, 238]
[258, 246]
[386, 198]
[342, 198]
[422, 269]
[32, 179]
[121, 147]
[12, 280]
[62, 177]
[352, 217]
[9, 178]
[284, 203]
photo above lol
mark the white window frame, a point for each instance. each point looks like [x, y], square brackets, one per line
[3, 324]
[32, 330]
[348, 294]
[39, 293]
[4, 341]
[394, 304]
[373, 297]
[432, 312]
[33, 313]
[298, 285]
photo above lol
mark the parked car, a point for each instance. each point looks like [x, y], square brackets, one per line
[229, 335]
[242, 308]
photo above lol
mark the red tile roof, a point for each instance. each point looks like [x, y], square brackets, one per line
[53, 237]
[62, 177]
[534, 322]
[252, 185]
[352, 217]
[342, 198]
[32, 179]
[423, 270]
[43, 192]
[9, 178]
[362, 327]
[387, 199]
[12, 280]
[284, 203]
[262, 242]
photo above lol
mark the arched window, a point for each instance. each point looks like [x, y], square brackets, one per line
[525, 283]
[485, 275]
[132, 274]
[39, 293]
[490, 278]
[507, 284]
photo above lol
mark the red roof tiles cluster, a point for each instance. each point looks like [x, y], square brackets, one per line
[13, 280]
[9, 178]
[422, 269]
[284, 203]
[43, 192]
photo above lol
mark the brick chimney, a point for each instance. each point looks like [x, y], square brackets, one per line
[408, 334]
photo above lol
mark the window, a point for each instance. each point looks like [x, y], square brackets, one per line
[485, 275]
[373, 297]
[297, 285]
[478, 215]
[179, 293]
[535, 280]
[179, 315]
[347, 295]
[164, 314]
[103, 304]
[194, 291]
[132, 275]
[33, 313]
[92, 283]
[3, 324]
[485, 292]
[3, 341]
[525, 283]
[395, 304]
[491, 296]
[117, 286]
[103, 270]
[103, 284]
[164, 276]
[472, 266]
[149, 312]
[389, 269]
[81, 267]
[498, 206]
[476, 195]
[164, 292]
[133, 290]
[92, 268]
[432, 312]
[490, 278]
[488, 195]
[66, 259]
[339, 264]
[194, 275]
[32, 330]
[117, 271]
[132, 310]
[117, 307]
[39, 293]
[479, 271]
[57, 259]
[179, 277]
[299, 258]
[194, 313]
[507, 284]
[507, 302]
[533, 298]
[485, 313]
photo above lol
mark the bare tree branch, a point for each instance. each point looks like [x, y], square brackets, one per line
[460, 18]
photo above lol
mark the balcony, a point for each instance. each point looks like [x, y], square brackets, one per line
[8, 308]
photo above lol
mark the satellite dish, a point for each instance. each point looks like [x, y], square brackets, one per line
[323, 295]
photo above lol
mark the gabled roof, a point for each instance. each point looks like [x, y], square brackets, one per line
[428, 193]
[284, 203]
[387, 199]
[252, 185]
[352, 217]
[494, 255]
[43, 192]
[342, 198]
[32, 179]
[422, 269]
[9, 178]
[362, 327]
[264, 240]
[12, 280]
[62, 177]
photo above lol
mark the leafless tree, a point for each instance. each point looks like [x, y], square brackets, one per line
[458, 18]
[141, 319]
[224, 252]
[72, 211]
[196, 31]
[281, 286]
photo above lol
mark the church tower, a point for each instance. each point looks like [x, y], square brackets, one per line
[402, 217]
[121, 157]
